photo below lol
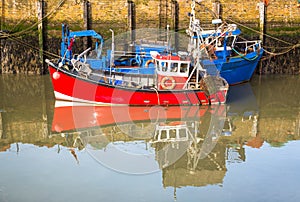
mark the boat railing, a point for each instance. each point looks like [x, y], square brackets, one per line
[138, 81]
[128, 53]
[125, 79]
[249, 46]
[146, 42]
[132, 53]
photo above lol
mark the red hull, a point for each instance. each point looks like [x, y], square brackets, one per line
[69, 118]
[69, 87]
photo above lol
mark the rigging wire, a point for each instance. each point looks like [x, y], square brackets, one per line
[272, 54]
[267, 35]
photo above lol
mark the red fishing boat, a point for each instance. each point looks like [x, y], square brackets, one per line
[175, 82]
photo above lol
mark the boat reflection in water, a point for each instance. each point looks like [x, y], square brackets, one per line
[140, 140]
[189, 144]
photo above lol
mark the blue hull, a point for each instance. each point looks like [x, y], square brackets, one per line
[236, 70]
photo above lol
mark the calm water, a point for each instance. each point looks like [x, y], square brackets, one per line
[247, 150]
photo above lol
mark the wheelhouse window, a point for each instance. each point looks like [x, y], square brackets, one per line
[163, 135]
[172, 133]
[182, 133]
[184, 68]
[157, 65]
[174, 67]
[164, 66]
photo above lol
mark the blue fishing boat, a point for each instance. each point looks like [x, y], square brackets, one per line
[223, 51]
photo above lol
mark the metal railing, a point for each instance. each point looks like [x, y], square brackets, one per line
[128, 80]
[250, 45]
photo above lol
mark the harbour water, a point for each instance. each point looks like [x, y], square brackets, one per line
[246, 150]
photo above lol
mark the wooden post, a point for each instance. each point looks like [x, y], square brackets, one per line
[262, 27]
[42, 32]
[163, 14]
[2, 106]
[2, 14]
[175, 12]
[131, 19]
[87, 22]
[1, 28]
[262, 21]
[217, 9]
[44, 109]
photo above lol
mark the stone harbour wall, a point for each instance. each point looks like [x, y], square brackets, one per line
[284, 58]
[16, 58]
[115, 11]
[22, 56]
[19, 19]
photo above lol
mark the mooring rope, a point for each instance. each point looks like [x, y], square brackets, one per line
[272, 54]
[243, 56]
[249, 28]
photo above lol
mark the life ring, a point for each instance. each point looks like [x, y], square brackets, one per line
[148, 63]
[168, 87]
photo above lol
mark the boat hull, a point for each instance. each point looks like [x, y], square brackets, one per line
[68, 86]
[239, 70]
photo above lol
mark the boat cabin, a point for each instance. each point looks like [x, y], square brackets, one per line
[172, 71]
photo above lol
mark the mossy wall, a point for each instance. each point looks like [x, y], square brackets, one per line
[19, 17]
[110, 13]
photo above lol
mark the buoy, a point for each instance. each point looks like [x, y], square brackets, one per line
[148, 62]
[57, 128]
[56, 75]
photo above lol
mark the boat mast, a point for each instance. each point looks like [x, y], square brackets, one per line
[195, 29]
[112, 54]
[168, 39]
[194, 48]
